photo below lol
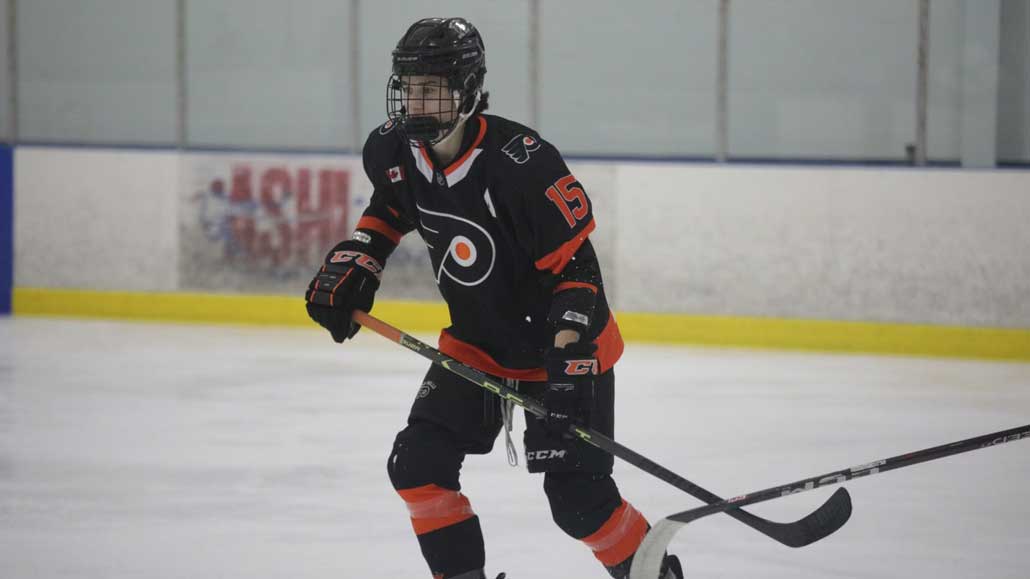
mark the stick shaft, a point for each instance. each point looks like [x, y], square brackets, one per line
[867, 469]
[795, 534]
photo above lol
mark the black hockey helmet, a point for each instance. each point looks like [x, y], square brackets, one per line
[450, 52]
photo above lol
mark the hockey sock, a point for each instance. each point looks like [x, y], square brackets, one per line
[619, 537]
[448, 530]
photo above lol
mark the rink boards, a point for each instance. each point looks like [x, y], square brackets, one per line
[839, 258]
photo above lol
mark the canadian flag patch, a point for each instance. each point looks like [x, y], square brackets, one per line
[396, 174]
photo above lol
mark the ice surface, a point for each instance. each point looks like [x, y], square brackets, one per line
[175, 451]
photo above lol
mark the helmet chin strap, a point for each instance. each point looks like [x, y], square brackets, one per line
[462, 117]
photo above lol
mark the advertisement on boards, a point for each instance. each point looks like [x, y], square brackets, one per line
[263, 224]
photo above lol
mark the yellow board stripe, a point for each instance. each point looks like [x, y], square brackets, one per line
[830, 336]
[770, 333]
[205, 308]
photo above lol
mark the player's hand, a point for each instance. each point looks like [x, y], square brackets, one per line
[570, 385]
[347, 281]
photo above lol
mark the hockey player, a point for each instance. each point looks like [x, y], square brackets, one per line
[507, 228]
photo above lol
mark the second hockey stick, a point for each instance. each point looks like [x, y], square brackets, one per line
[829, 517]
[649, 556]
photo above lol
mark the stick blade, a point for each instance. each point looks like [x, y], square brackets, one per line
[824, 521]
[821, 523]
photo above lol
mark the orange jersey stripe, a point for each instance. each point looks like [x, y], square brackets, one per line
[619, 536]
[609, 345]
[479, 139]
[575, 284]
[433, 507]
[425, 156]
[379, 226]
[609, 349]
[556, 261]
[472, 356]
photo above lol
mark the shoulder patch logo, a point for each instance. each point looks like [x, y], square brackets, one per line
[387, 127]
[519, 148]
[395, 174]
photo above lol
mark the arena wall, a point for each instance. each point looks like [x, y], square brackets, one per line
[721, 254]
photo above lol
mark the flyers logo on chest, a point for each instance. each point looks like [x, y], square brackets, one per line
[461, 250]
[519, 148]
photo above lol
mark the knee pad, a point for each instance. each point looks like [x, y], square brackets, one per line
[581, 502]
[424, 454]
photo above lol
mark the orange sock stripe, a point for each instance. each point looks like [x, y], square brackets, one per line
[433, 507]
[619, 536]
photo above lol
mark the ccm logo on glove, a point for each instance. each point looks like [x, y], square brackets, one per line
[581, 367]
[360, 259]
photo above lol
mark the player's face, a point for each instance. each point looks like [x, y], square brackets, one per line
[428, 96]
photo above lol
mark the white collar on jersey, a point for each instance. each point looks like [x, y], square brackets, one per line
[458, 169]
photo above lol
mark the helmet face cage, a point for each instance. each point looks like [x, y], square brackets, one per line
[438, 70]
[424, 106]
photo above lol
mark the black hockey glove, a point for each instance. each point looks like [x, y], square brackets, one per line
[347, 281]
[570, 385]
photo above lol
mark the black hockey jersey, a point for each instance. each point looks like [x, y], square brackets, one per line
[500, 223]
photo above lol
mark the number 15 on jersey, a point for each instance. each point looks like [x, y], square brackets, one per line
[571, 200]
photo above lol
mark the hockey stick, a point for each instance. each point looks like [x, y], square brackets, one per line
[649, 555]
[829, 517]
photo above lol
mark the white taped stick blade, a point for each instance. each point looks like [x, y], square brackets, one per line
[647, 561]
